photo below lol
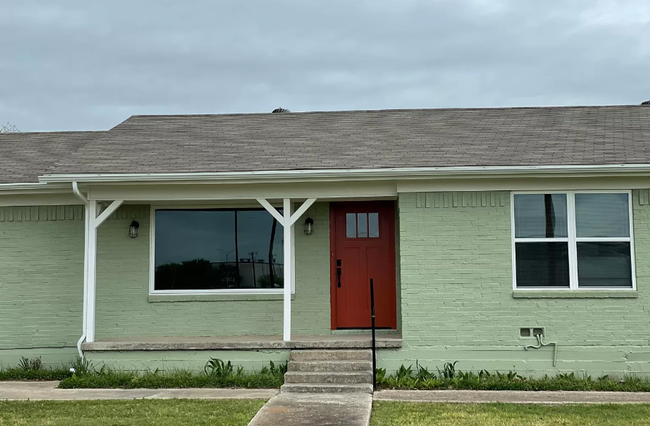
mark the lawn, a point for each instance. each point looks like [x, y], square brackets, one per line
[133, 412]
[429, 414]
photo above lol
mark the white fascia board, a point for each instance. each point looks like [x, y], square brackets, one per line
[32, 188]
[351, 174]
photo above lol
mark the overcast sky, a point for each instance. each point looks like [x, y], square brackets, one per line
[86, 65]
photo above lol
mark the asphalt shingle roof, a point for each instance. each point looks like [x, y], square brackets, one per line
[25, 156]
[339, 140]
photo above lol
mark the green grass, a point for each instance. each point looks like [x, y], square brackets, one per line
[450, 378]
[430, 414]
[133, 412]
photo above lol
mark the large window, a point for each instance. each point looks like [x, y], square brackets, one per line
[199, 250]
[573, 240]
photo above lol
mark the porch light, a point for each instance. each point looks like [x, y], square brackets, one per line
[309, 226]
[133, 229]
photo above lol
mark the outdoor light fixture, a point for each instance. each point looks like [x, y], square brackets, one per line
[133, 229]
[309, 226]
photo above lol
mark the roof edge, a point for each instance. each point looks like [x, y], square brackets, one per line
[346, 174]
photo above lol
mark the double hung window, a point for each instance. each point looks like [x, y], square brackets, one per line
[573, 240]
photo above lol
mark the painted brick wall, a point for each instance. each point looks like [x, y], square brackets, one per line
[123, 286]
[457, 301]
[41, 284]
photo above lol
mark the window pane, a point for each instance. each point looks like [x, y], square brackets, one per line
[540, 215]
[542, 264]
[190, 248]
[217, 249]
[604, 265]
[351, 225]
[259, 243]
[602, 215]
[362, 220]
[373, 225]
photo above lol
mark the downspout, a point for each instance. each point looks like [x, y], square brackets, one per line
[84, 200]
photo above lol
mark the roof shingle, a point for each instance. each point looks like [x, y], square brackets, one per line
[340, 140]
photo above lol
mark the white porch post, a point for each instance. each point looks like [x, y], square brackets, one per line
[288, 268]
[93, 220]
[287, 220]
[91, 270]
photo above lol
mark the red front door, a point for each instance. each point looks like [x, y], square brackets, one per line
[363, 247]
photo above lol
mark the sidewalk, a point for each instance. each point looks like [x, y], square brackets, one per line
[317, 409]
[43, 391]
[514, 397]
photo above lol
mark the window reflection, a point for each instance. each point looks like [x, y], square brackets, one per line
[362, 221]
[602, 215]
[217, 249]
[373, 225]
[540, 215]
[351, 225]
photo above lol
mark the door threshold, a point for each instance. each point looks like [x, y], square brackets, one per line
[364, 331]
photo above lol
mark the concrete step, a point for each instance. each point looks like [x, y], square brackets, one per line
[349, 377]
[331, 355]
[326, 388]
[329, 366]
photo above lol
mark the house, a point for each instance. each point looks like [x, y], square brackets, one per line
[171, 239]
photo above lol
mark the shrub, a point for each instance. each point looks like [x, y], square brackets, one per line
[33, 369]
[216, 374]
[450, 378]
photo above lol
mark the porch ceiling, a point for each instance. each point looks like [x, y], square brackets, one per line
[347, 341]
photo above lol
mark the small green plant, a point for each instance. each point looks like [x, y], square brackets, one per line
[82, 366]
[448, 370]
[217, 368]
[280, 369]
[30, 364]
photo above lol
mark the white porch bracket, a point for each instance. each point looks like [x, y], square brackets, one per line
[288, 220]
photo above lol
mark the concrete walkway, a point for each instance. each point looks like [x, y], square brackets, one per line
[514, 397]
[47, 391]
[316, 409]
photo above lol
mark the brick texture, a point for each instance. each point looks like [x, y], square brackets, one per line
[457, 304]
[41, 279]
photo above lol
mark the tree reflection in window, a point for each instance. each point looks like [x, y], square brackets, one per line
[217, 249]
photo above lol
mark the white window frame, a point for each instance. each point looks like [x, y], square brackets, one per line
[152, 258]
[572, 241]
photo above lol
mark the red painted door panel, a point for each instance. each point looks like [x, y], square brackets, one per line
[363, 247]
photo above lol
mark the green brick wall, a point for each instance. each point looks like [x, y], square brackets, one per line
[455, 289]
[458, 305]
[41, 285]
[41, 282]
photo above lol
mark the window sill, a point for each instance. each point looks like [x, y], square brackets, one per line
[575, 294]
[173, 298]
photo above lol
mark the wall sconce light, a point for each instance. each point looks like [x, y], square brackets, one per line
[309, 226]
[133, 229]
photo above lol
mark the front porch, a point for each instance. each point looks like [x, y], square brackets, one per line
[384, 340]
[238, 269]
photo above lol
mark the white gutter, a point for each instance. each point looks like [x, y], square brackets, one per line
[84, 200]
[352, 174]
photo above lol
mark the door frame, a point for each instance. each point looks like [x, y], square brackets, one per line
[393, 267]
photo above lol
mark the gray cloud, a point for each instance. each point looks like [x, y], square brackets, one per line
[89, 65]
